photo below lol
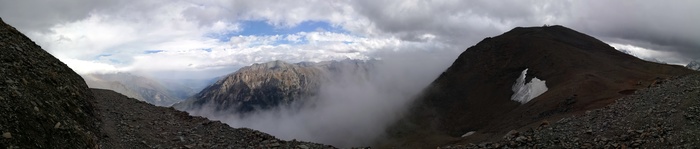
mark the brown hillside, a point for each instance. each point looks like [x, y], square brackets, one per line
[474, 94]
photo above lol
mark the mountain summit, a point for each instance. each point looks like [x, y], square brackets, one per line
[520, 78]
[271, 84]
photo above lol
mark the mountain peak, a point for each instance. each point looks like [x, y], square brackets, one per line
[578, 71]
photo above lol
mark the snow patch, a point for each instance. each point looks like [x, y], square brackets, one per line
[526, 92]
[468, 134]
[694, 65]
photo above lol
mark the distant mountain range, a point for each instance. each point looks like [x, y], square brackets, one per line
[44, 104]
[267, 85]
[533, 87]
[143, 88]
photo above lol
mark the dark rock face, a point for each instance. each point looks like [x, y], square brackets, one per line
[271, 84]
[474, 94]
[44, 104]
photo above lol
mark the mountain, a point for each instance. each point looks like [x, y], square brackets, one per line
[139, 87]
[130, 123]
[267, 85]
[185, 88]
[481, 96]
[44, 104]
[665, 115]
[694, 65]
[93, 81]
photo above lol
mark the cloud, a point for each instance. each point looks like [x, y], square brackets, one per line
[661, 26]
[84, 30]
[647, 54]
[86, 67]
[351, 111]
[203, 39]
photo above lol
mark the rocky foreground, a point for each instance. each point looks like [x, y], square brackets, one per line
[43, 103]
[666, 115]
[129, 123]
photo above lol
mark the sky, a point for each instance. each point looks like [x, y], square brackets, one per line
[209, 38]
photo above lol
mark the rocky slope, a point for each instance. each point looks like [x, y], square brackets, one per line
[271, 84]
[44, 104]
[666, 115]
[472, 97]
[138, 87]
[129, 123]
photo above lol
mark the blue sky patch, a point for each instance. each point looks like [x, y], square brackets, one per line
[152, 51]
[260, 28]
[263, 28]
[104, 55]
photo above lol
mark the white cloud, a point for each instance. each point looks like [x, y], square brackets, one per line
[124, 30]
[86, 67]
[648, 54]
[193, 36]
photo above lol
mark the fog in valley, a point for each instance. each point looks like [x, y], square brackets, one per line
[349, 110]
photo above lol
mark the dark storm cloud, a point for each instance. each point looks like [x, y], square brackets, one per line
[460, 23]
[41, 14]
[659, 25]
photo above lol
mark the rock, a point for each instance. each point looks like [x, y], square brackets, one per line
[58, 125]
[302, 146]
[510, 134]
[544, 123]
[635, 121]
[30, 75]
[7, 135]
[521, 139]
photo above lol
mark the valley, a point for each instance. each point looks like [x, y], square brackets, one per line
[530, 87]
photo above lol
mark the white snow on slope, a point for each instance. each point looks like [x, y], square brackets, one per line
[526, 92]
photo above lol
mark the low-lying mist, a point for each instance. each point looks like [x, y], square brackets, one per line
[349, 111]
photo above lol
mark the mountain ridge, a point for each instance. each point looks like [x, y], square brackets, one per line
[474, 94]
[139, 87]
[263, 86]
[44, 104]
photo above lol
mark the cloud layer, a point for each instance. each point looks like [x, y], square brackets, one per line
[417, 39]
[204, 36]
[349, 111]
